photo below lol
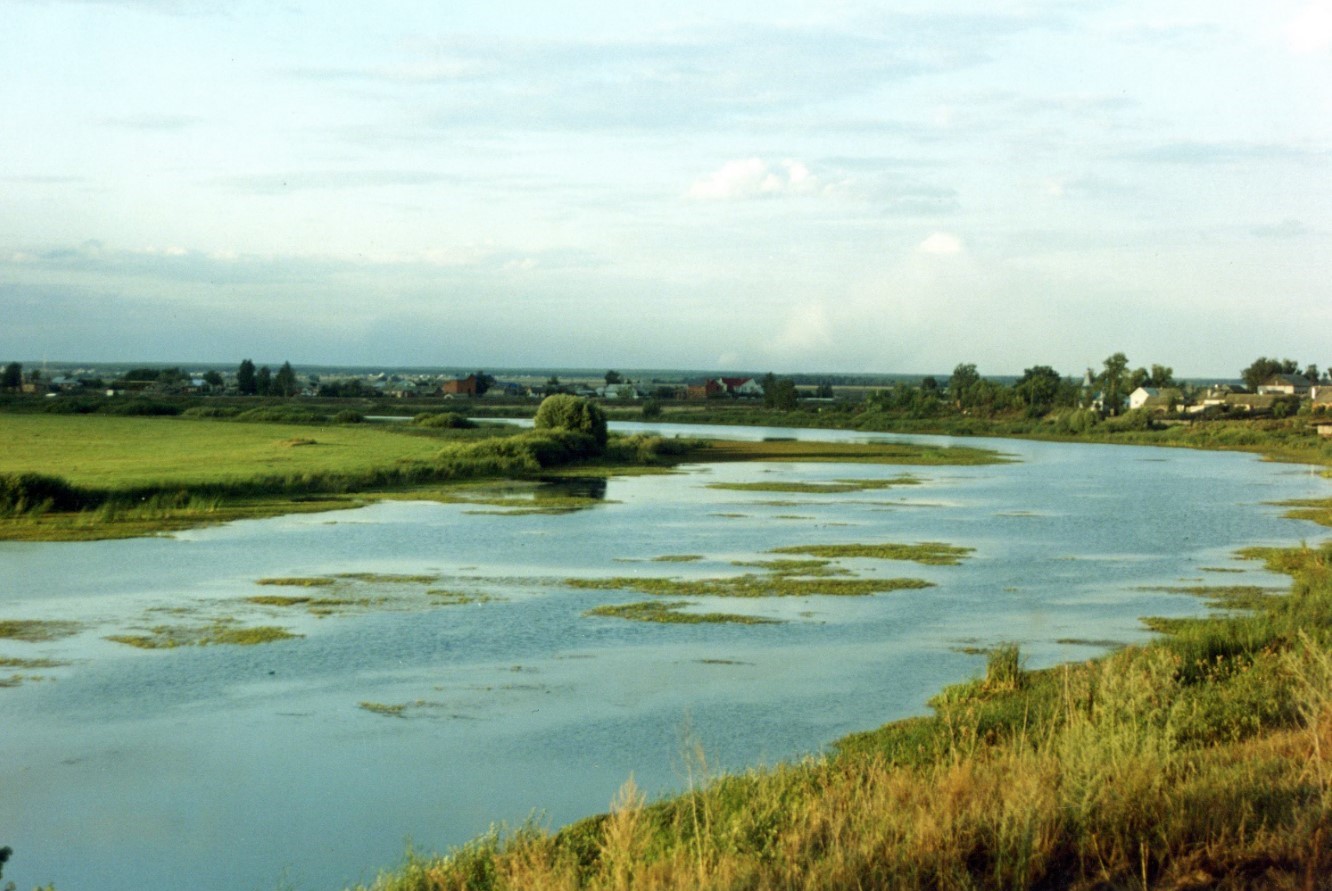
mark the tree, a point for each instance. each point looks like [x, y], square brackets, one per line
[1112, 380]
[245, 378]
[613, 377]
[1263, 369]
[1038, 389]
[284, 382]
[564, 411]
[1311, 373]
[213, 378]
[12, 377]
[964, 378]
[263, 381]
[779, 393]
[1163, 376]
[483, 382]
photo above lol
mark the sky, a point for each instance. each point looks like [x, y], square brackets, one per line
[848, 186]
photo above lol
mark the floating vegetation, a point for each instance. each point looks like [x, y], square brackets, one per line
[11, 662]
[929, 552]
[376, 578]
[849, 453]
[35, 630]
[458, 598]
[1317, 510]
[168, 637]
[381, 708]
[1083, 642]
[794, 567]
[1237, 597]
[1220, 569]
[299, 582]
[749, 586]
[832, 488]
[277, 600]
[670, 612]
[677, 558]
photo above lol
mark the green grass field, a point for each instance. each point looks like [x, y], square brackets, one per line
[120, 453]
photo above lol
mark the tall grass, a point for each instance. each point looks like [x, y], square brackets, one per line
[1204, 760]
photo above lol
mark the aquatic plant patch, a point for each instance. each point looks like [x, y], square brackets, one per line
[36, 630]
[847, 453]
[749, 586]
[299, 581]
[794, 567]
[933, 553]
[671, 612]
[677, 558]
[221, 633]
[830, 488]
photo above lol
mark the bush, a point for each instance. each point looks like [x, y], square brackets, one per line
[35, 493]
[143, 408]
[575, 414]
[449, 420]
[347, 416]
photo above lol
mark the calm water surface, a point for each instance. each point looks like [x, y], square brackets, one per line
[257, 767]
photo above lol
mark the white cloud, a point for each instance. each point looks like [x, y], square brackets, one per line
[805, 331]
[941, 244]
[754, 178]
[1311, 30]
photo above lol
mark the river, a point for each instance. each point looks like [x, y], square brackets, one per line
[459, 682]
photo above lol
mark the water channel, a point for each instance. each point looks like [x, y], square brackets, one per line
[461, 683]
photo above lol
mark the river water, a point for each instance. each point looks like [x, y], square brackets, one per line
[496, 698]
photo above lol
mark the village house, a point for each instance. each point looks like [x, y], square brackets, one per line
[1285, 385]
[1161, 399]
[466, 386]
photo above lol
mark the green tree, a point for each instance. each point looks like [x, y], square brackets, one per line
[964, 378]
[652, 409]
[1264, 368]
[246, 381]
[613, 377]
[1311, 373]
[213, 379]
[1163, 376]
[779, 393]
[263, 381]
[1038, 389]
[1112, 380]
[12, 377]
[483, 382]
[564, 411]
[284, 382]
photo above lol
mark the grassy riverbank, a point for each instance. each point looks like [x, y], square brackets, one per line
[97, 476]
[1200, 761]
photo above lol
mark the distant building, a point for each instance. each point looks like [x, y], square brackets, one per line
[1285, 385]
[466, 386]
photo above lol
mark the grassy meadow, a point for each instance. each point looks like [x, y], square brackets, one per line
[72, 476]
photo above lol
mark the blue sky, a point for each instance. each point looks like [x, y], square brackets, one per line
[835, 186]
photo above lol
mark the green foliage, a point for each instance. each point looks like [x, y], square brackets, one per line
[563, 411]
[1262, 369]
[449, 420]
[348, 416]
[37, 493]
[11, 378]
[246, 381]
[284, 382]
